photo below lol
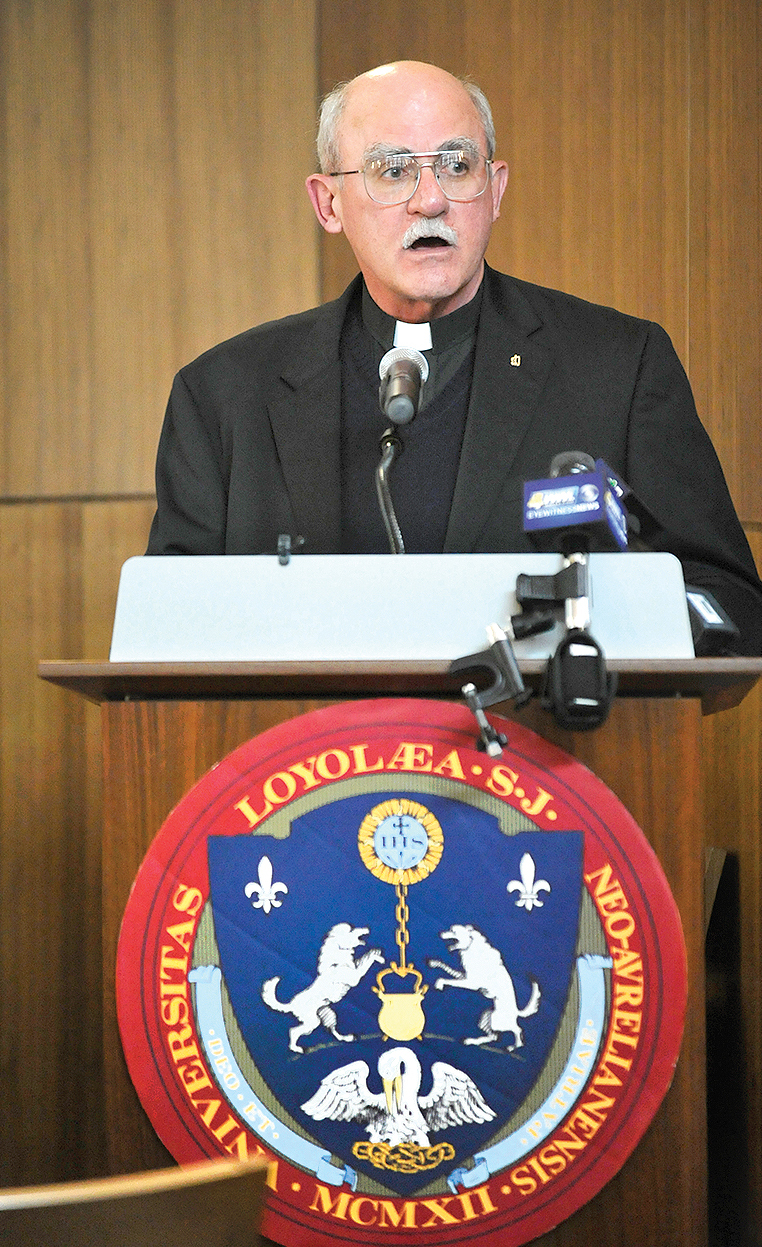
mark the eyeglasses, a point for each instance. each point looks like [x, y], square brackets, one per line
[393, 179]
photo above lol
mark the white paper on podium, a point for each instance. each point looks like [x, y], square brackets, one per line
[357, 607]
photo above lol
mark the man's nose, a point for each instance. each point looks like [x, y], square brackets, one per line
[428, 199]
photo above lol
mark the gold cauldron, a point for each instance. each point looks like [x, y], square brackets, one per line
[401, 1015]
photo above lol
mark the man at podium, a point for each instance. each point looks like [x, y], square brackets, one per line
[277, 430]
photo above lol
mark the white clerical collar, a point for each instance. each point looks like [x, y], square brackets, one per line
[414, 337]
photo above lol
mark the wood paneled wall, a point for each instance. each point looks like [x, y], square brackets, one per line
[152, 156]
[59, 564]
[725, 238]
[153, 204]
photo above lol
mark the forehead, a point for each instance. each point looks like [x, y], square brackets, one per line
[407, 112]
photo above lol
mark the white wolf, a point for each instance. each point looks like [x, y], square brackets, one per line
[483, 971]
[337, 971]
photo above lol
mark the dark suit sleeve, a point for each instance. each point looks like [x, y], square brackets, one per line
[191, 489]
[673, 468]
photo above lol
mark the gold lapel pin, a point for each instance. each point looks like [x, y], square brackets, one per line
[516, 361]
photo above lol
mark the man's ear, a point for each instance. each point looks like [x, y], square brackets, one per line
[323, 193]
[499, 183]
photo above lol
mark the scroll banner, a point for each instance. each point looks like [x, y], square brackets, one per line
[442, 993]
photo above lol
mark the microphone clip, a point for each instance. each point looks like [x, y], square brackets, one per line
[287, 545]
[569, 587]
[571, 582]
[499, 661]
[578, 689]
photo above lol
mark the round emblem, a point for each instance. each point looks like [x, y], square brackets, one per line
[400, 841]
[442, 993]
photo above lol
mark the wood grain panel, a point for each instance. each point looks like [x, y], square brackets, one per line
[44, 263]
[135, 245]
[243, 217]
[59, 567]
[590, 106]
[726, 237]
[50, 860]
[153, 159]
[733, 753]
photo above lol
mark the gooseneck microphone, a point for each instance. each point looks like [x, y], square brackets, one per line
[403, 372]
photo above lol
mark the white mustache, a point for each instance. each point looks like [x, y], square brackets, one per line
[429, 228]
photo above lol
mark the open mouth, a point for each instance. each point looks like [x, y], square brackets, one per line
[428, 244]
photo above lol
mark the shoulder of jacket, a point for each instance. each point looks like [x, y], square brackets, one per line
[557, 308]
[273, 338]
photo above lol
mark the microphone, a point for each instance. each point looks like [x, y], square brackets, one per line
[403, 372]
[644, 531]
[585, 505]
[575, 508]
[712, 629]
[570, 463]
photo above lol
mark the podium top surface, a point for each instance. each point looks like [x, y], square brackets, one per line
[720, 683]
[250, 608]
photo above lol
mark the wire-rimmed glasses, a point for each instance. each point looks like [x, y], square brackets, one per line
[393, 177]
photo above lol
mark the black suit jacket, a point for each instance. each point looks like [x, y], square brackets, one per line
[250, 446]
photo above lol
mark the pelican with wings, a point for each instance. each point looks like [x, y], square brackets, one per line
[399, 1114]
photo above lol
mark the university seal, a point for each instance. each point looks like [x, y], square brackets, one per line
[442, 993]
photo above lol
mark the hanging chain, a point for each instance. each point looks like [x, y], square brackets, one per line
[402, 913]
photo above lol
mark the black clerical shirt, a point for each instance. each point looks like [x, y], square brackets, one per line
[422, 480]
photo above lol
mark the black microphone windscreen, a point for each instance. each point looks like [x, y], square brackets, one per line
[570, 463]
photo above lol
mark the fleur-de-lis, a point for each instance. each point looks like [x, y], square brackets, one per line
[529, 887]
[265, 890]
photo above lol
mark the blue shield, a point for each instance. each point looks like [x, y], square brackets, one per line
[316, 949]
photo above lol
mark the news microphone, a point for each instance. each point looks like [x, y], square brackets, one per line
[559, 514]
[574, 508]
[403, 372]
[644, 530]
[571, 463]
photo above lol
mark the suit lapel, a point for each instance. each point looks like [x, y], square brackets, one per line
[511, 367]
[306, 425]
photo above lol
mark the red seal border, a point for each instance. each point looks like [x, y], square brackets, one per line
[622, 875]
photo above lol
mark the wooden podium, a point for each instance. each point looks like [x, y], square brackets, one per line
[165, 725]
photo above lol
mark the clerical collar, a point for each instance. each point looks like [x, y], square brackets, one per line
[446, 331]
